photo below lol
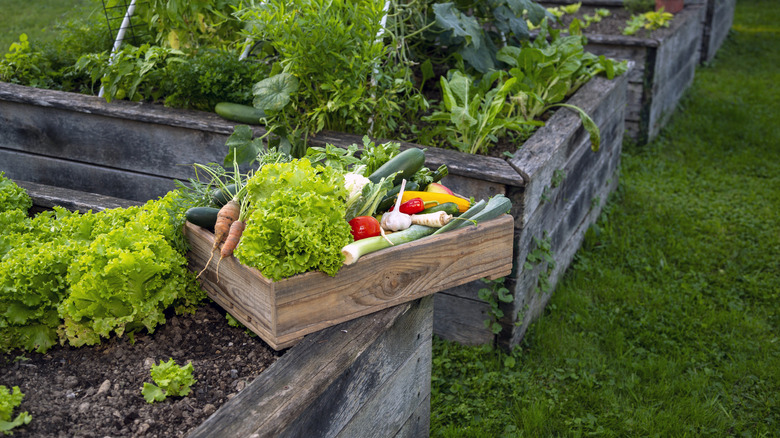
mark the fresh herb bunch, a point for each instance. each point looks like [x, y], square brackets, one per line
[170, 380]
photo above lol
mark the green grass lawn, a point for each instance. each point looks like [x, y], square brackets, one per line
[667, 322]
[37, 18]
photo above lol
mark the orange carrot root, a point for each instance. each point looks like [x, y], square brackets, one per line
[231, 242]
[227, 215]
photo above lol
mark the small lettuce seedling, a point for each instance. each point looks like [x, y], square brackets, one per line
[10, 400]
[170, 380]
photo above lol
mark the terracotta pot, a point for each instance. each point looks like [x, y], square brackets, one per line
[672, 6]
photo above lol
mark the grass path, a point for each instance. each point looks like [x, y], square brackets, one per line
[667, 322]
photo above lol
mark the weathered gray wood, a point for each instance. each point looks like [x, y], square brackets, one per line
[83, 177]
[471, 166]
[419, 423]
[338, 368]
[717, 23]
[49, 136]
[461, 319]
[46, 197]
[554, 144]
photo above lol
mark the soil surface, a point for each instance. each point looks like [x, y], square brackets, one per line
[96, 391]
[614, 24]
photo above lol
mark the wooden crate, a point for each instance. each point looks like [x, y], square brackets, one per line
[717, 23]
[282, 312]
[370, 375]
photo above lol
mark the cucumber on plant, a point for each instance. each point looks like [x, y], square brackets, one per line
[237, 112]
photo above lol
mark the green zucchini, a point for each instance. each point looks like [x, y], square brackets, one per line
[447, 207]
[407, 163]
[239, 113]
[205, 217]
[391, 194]
[221, 196]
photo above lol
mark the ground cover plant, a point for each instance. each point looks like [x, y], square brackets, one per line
[666, 323]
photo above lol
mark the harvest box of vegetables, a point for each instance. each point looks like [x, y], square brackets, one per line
[332, 236]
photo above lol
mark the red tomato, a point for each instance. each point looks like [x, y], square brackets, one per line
[364, 226]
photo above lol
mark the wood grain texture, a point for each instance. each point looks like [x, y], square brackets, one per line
[46, 197]
[284, 311]
[343, 367]
[717, 23]
[84, 177]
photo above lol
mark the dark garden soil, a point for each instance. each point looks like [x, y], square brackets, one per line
[614, 24]
[96, 391]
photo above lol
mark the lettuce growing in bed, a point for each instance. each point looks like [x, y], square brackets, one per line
[297, 223]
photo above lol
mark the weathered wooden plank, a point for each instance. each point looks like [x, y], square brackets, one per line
[286, 392]
[472, 166]
[392, 377]
[460, 319]
[119, 143]
[529, 308]
[548, 152]
[137, 111]
[47, 197]
[419, 424]
[717, 23]
[397, 398]
[82, 176]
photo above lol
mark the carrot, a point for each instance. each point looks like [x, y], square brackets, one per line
[227, 215]
[231, 242]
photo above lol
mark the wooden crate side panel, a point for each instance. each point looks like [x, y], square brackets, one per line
[390, 379]
[530, 307]
[553, 145]
[83, 177]
[118, 143]
[637, 54]
[254, 310]
[288, 390]
[635, 98]
[460, 319]
[720, 17]
[408, 271]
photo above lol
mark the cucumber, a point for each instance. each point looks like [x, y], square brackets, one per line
[391, 194]
[205, 217]
[221, 197]
[239, 113]
[408, 162]
[447, 207]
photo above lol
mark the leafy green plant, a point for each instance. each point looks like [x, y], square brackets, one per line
[473, 115]
[494, 294]
[181, 24]
[542, 253]
[170, 380]
[651, 20]
[10, 400]
[332, 71]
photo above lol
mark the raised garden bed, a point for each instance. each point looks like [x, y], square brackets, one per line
[543, 207]
[665, 61]
[368, 374]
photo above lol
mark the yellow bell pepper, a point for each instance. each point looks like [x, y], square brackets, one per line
[463, 204]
